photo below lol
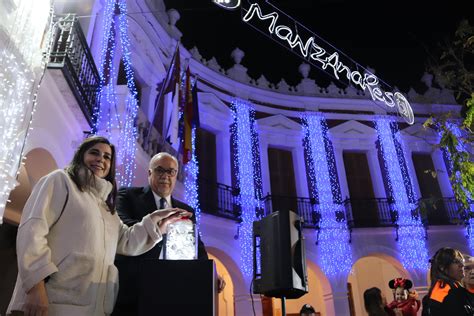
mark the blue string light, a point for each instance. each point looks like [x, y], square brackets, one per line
[336, 253]
[246, 162]
[190, 182]
[470, 231]
[108, 117]
[107, 95]
[411, 233]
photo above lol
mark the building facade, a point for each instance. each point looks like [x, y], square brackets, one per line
[287, 124]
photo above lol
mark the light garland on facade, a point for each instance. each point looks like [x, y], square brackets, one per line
[22, 64]
[246, 162]
[107, 72]
[336, 253]
[190, 183]
[411, 233]
[113, 120]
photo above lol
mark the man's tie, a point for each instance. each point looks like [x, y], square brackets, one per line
[162, 203]
[163, 241]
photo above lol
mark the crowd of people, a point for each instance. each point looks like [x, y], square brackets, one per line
[451, 291]
[76, 225]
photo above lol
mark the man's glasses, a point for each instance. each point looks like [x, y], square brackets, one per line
[162, 171]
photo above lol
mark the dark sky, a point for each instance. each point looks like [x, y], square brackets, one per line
[393, 37]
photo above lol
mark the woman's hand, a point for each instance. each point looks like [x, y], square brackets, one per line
[167, 216]
[36, 301]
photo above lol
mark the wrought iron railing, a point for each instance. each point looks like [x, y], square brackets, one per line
[442, 211]
[219, 199]
[304, 207]
[222, 200]
[72, 55]
[369, 213]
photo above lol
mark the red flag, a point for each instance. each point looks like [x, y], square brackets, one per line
[187, 119]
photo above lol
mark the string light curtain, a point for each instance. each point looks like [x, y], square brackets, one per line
[112, 122]
[247, 168]
[191, 166]
[333, 240]
[25, 28]
[411, 233]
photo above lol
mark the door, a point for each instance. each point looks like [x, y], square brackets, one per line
[429, 188]
[207, 178]
[363, 203]
[282, 180]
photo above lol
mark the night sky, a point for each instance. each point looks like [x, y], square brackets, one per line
[393, 37]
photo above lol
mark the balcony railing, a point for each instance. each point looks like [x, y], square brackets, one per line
[369, 213]
[304, 207]
[222, 200]
[72, 55]
[219, 199]
[441, 211]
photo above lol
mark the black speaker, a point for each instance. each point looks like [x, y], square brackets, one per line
[279, 256]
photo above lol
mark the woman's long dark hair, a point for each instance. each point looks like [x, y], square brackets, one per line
[440, 263]
[84, 182]
[373, 302]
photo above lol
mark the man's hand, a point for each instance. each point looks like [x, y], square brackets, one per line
[220, 284]
[36, 301]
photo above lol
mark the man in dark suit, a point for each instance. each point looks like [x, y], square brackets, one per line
[132, 205]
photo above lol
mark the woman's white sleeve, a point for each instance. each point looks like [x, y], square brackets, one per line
[138, 238]
[42, 209]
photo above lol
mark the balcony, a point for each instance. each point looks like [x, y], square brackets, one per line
[71, 54]
[219, 199]
[222, 200]
[369, 213]
[305, 207]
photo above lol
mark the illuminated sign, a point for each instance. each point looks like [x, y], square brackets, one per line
[227, 4]
[316, 51]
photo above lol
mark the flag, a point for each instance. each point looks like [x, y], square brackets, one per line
[167, 90]
[196, 122]
[187, 119]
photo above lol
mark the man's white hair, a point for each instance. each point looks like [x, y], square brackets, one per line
[161, 155]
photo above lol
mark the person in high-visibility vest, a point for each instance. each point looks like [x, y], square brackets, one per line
[447, 296]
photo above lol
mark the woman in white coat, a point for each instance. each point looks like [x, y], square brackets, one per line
[69, 234]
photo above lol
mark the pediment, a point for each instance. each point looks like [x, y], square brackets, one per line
[211, 103]
[352, 128]
[417, 130]
[279, 122]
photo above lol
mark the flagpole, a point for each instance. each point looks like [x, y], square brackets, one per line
[160, 95]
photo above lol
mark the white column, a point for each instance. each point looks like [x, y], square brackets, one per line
[339, 296]
[223, 158]
[376, 174]
[412, 171]
[442, 173]
[341, 172]
[265, 168]
[243, 304]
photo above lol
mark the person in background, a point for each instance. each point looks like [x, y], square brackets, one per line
[375, 303]
[446, 295]
[404, 300]
[69, 234]
[307, 310]
[468, 280]
[132, 205]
